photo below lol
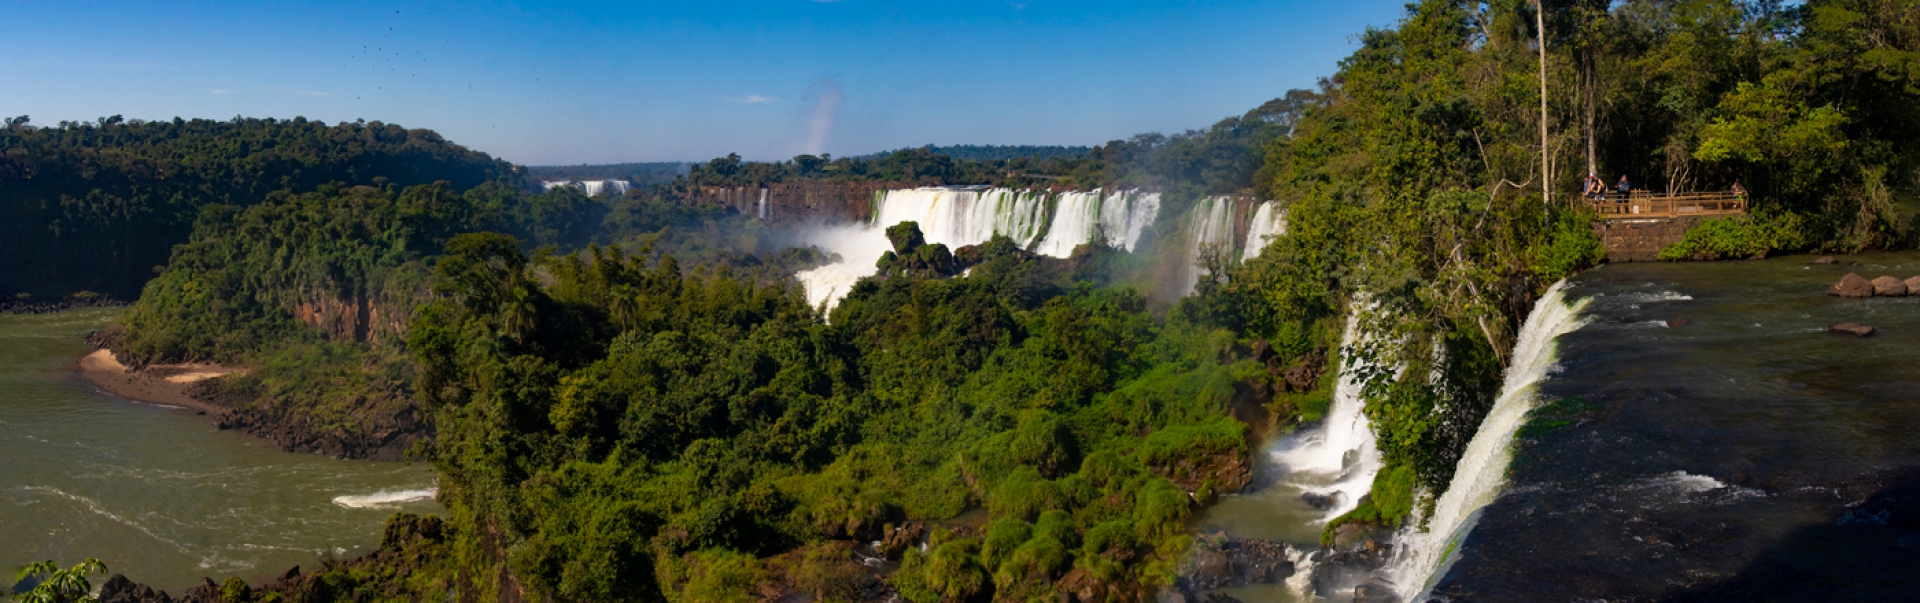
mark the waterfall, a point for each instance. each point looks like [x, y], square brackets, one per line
[1269, 221]
[961, 216]
[763, 205]
[1078, 216]
[1478, 479]
[1338, 458]
[1209, 225]
[591, 187]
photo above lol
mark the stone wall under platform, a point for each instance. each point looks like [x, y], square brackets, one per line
[1641, 239]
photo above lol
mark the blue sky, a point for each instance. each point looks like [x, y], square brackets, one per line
[566, 83]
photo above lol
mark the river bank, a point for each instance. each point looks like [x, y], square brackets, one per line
[174, 385]
[154, 491]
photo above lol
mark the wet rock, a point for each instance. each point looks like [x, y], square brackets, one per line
[1323, 502]
[1341, 571]
[1888, 286]
[1851, 285]
[1849, 328]
[1677, 322]
[1217, 561]
[118, 589]
[1375, 590]
[1825, 259]
[1913, 286]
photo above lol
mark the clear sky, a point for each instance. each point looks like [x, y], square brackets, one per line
[566, 83]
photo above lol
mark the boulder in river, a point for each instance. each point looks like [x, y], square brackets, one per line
[1849, 328]
[1913, 286]
[1825, 259]
[1851, 285]
[1888, 286]
[1676, 322]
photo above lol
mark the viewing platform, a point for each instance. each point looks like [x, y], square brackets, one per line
[1645, 205]
[1635, 228]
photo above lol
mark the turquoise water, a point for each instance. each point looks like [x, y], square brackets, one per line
[157, 493]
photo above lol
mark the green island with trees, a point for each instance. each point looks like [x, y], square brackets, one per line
[630, 398]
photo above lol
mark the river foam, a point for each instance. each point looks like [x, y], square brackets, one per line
[383, 498]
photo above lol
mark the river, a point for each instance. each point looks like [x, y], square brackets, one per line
[1706, 439]
[157, 493]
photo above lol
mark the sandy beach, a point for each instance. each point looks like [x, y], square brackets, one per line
[167, 384]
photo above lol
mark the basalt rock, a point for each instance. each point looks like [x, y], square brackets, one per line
[380, 426]
[1913, 286]
[1888, 286]
[118, 589]
[1851, 285]
[1824, 260]
[1854, 329]
[1217, 561]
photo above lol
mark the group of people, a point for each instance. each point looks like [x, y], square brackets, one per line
[1596, 189]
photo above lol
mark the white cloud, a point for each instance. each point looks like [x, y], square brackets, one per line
[752, 99]
[308, 93]
[220, 91]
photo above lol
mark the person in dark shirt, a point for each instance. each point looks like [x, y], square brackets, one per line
[1626, 190]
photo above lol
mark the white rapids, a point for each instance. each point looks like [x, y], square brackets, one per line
[383, 498]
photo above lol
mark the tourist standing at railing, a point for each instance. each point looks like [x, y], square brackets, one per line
[1626, 190]
[1593, 190]
[1739, 192]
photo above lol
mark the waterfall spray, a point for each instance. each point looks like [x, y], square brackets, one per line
[1420, 555]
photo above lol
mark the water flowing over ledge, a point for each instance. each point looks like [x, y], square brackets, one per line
[961, 216]
[1337, 459]
[591, 187]
[1420, 556]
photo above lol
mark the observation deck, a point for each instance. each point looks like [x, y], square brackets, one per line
[1653, 206]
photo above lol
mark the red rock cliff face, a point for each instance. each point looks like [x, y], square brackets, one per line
[800, 201]
[352, 317]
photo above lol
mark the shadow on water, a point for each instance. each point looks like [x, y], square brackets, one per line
[1870, 552]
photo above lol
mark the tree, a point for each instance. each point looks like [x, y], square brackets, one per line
[58, 585]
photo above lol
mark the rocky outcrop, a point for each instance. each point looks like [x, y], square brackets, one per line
[1913, 285]
[1218, 561]
[350, 317]
[377, 427]
[1851, 285]
[1888, 286]
[1854, 329]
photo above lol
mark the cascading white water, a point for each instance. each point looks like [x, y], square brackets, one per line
[957, 216]
[763, 205]
[591, 187]
[1419, 556]
[1269, 220]
[1079, 216]
[961, 216]
[1209, 226]
[1336, 459]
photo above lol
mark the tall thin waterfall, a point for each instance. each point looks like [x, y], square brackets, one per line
[960, 216]
[1337, 459]
[1078, 216]
[763, 205]
[1269, 220]
[1482, 473]
[1209, 226]
[591, 187]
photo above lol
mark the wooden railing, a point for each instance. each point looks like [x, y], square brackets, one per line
[1655, 205]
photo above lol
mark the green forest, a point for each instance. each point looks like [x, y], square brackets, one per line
[631, 399]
